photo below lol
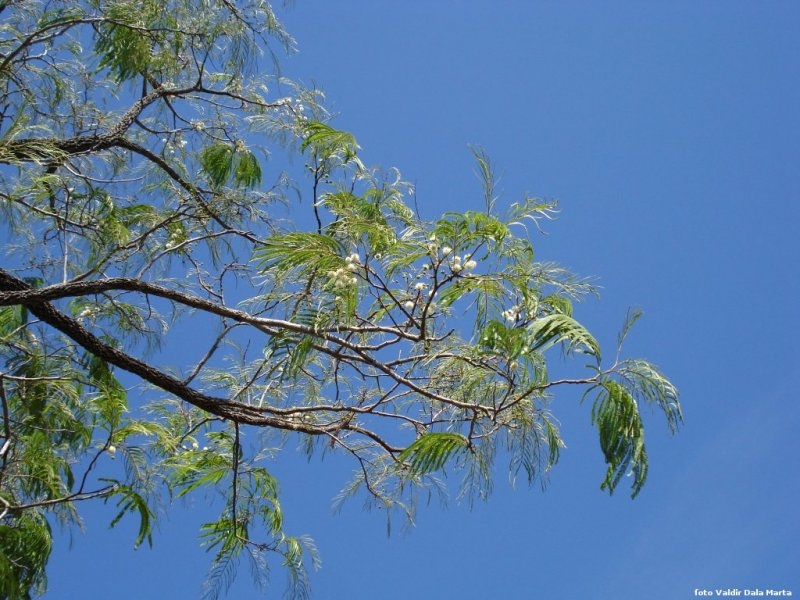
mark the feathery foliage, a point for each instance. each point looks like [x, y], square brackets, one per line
[145, 209]
[430, 452]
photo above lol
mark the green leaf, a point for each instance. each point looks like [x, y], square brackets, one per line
[131, 501]
[486, 176]
[359, 218]
[531, 209]
[630, 318]
[327, 142]
[299, 356]
[557, 304]
[223, 163]
[25, 547]
[307, 252]
[246, 170]
[124, 48]
[199, 469]
[59, 15]
[509, 342]
[431, 451]
[217, 163]
[615, 413]
[228, 539]
[647, 383]
[534, 441]
[111, 399]
[11, 318]
[489, 286]
[557, 328]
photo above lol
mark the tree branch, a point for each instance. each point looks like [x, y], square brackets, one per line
[221, 407]
[56, 149]
[15, 291]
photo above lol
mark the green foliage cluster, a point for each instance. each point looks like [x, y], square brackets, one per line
[140, 197]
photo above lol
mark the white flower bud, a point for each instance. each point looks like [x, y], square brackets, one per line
[409, 305]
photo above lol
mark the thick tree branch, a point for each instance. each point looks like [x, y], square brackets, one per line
[10, 296]
[221, 407]
[56, 149]
[14, 291]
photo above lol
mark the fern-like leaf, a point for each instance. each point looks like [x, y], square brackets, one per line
[431, 451]
[615, 413]
[556, 328]
[327, 142]
[131, 501]
[307, 252]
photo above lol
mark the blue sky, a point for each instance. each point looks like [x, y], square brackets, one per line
[670, 134]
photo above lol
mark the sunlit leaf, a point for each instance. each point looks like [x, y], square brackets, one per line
[327, 142]
[431, 451]
[307, 252]
[559, 328]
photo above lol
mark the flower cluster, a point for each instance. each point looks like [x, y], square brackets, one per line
[512, 314]
[88, 312]
[424, 300]
[352, 262]
[343, 276]
[457, 266]
[290, 109]
[176, 238]
[194, 447]
[172, 146]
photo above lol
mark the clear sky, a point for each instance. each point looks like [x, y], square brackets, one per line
[670, 133]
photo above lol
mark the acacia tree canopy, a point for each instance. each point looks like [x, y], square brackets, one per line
[168, 284]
